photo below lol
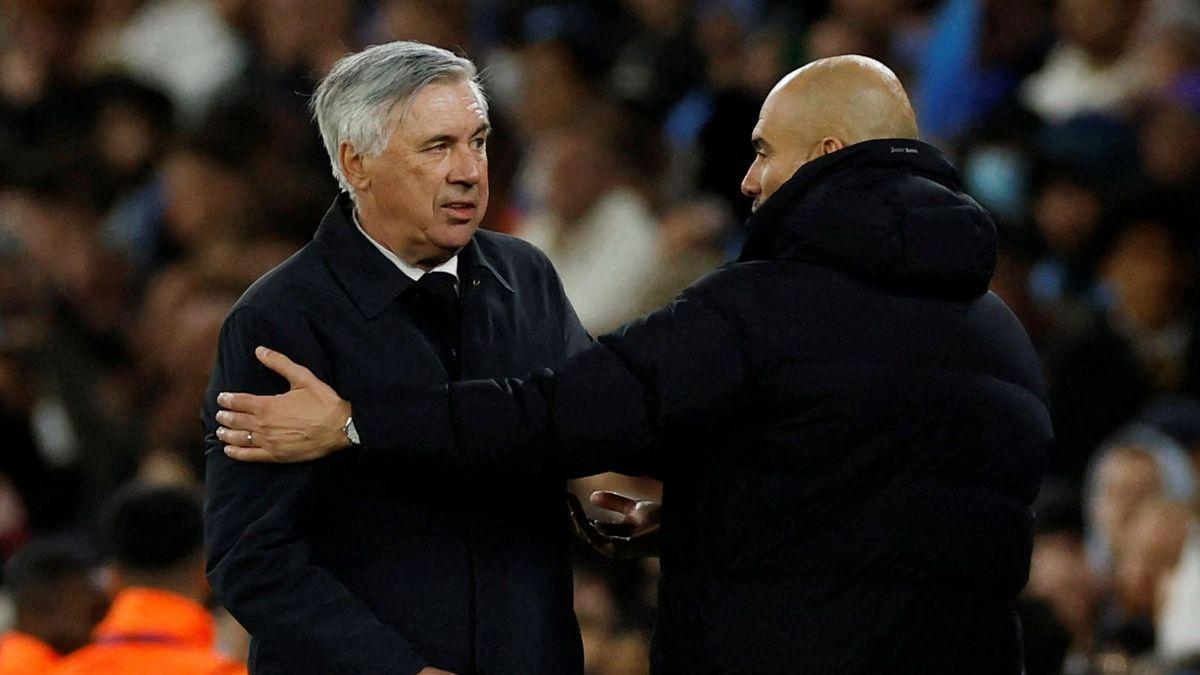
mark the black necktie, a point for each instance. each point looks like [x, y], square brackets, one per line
[438, 293]
[443, 287]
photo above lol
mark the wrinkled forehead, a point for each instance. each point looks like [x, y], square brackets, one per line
[479, 101]
[442, 103]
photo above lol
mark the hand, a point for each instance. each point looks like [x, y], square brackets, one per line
[304, 424]
[635, 535]
[434, 671]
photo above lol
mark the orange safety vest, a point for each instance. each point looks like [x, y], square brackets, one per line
[22, 654]
[151, 632]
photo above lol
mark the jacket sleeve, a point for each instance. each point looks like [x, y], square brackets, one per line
[259, 562]
[613, 406]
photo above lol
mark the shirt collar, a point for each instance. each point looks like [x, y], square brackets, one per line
[369, 278]
[149, 613]
[411, 271]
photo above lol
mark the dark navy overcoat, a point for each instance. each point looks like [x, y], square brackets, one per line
[335, 569]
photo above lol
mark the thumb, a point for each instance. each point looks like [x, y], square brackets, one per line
[612, 501]
[297, 375]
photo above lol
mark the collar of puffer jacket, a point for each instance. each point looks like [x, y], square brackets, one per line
[891, 211]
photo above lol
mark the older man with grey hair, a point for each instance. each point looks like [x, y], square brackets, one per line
[330, 568]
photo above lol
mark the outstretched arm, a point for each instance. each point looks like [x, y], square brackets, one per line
[676, 371]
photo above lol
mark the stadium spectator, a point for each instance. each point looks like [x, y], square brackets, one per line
[295, 42]
[1177, 596]
[1098, 66]
[656, 66]
[1134, 467]
[441, 23]
[554, 86]
[1154, 542]
[158, 622]
[57, 589]
[594, 229]
[1060, 575]
[1137, 338]
[1170, 138]
[1068, 211]
[690, 245]
[186, 48]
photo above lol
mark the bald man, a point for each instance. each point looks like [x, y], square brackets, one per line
[850, 429]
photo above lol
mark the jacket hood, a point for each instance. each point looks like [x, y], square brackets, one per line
[891, 211]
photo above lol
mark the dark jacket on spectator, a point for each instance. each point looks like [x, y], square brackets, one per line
[335, 570]
[849, 428]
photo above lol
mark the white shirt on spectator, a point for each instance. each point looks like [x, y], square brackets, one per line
[185, 48]
[1071, 84]
[1177, 629]
[606, 260]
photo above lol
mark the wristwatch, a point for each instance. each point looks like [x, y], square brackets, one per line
[351, 432]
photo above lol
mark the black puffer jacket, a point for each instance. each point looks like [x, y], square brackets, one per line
[849, 428]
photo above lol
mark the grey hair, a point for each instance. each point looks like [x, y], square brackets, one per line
[354, 102]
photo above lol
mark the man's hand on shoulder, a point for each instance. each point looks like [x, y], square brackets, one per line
[306, 423]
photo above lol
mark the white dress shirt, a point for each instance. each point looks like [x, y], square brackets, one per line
[411, 271]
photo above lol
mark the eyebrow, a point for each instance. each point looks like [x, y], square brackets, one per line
[484, 128]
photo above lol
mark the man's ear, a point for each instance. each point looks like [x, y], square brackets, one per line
[830, 145]
[825, 146]
[353, 165]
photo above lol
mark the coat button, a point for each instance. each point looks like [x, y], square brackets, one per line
[474, 283]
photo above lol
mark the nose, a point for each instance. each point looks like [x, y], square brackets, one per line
[467, 167]
[751, 184]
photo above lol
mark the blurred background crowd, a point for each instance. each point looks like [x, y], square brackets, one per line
[156, 156]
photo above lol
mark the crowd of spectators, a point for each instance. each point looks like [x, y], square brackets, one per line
[156, 156]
